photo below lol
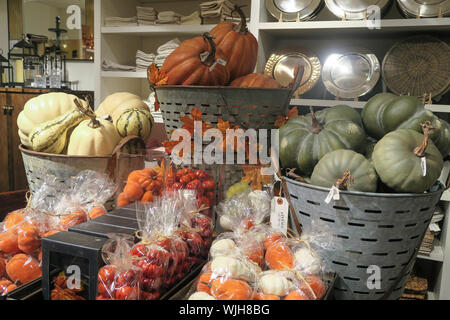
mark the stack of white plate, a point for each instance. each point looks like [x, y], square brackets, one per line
[356, 9]
[290, 10]
[424, 8]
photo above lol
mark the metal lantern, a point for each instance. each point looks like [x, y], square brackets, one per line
[4, 67]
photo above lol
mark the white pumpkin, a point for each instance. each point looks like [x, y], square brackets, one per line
[226, 222]
[88, 140]
[260, 201]
[222, 247]
[306, 261]
[115, 104]
[275, 283]
[42, 108]
[200, 295]
[231, 267]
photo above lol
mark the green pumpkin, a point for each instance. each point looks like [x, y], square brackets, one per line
[398, 165]
[386, 112]
[333, 165]
[305, 140]
[136, 122]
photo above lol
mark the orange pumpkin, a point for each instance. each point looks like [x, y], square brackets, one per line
[8, 242]
[28, 238]
[231, 289]
[255, 80]
[49, 233]
[2, 268]
[279, 256]
[13, 219]
[262, 296]
[238, 44]
[73, 219]
[204, 282]
[23, 268]
[147, 197]
[97, 212]
[253, 250]
[4, 284]
[316, 285]
[296, 295]
[139, 177]
[189, 65]
[122, 200]
[272, 238]
[133, 191]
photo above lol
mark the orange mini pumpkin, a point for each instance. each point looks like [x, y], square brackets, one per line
[296, 295]
[49, 233]
[255, 80]
[122, 200]
[279, 256]
[8, 242]
[4, 284]
[97, 212]
[133, 191]
[262, 296]
[2, 268]
[73, 219]
[147, 197]
[231, 290]
[23, 268]
[13, 219]
[272, 238]
[28, 238]
[204, 282]
[314, 284]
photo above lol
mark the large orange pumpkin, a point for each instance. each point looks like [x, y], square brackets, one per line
[196, 62]
[231, 290]
[238, 44]
[23, 268]
[255, 80]
[8, 242]
[28, 238]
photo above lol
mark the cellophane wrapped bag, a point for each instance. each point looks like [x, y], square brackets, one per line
[119, 279]
[161, 253]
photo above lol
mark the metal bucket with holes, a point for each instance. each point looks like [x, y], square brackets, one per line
[255, 108]
[373, 234]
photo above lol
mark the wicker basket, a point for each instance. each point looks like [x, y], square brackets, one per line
[385, 230]
[117, 166]
[255, 108]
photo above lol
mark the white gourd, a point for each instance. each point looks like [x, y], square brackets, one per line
[200, 295]
[275, 283]
[226, 222]
[231, 267]
[306, 262]
[222, 247]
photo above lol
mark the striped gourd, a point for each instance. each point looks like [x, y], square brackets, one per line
[51, 136]
[135, 122]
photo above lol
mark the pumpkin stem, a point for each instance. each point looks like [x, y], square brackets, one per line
[242, 26]
[426, 128]
[316, 126]
[345, 181]
[210, 57]
[89, 113]
[292, 174]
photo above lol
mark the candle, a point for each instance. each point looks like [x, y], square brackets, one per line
[19, 70]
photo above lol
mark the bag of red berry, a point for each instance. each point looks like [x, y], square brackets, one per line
[119, 279]
[161, 253]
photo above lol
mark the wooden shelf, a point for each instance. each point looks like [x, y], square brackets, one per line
[124, 74]
[158, 30]
[436, 255]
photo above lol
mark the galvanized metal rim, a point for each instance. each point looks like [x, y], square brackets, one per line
[214, 88]
[370, 194]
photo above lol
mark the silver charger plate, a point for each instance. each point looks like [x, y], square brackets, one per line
[354, 9]
[424, 8]
[289, 10]
[282, 63]
[351, 73]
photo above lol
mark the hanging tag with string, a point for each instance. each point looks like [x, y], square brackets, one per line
[279, 214]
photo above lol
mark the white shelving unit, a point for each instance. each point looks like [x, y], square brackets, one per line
[321, 35]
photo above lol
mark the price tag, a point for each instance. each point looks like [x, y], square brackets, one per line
[333, 194]
[279, 214]
[423, 165]
[218, 61]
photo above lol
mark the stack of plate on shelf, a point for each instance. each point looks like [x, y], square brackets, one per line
[282, 63]
[350, 73]
[424, 8]
[356, 9]
[290, 10]
[418, 66]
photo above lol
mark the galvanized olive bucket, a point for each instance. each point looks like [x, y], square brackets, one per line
[372, 232]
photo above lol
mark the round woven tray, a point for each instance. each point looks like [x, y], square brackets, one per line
[369, 229]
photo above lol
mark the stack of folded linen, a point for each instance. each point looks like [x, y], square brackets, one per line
[120, 22]
[168, 17]
[108, 65]
[193, 18]
[165, 50]
[210, 11]
[146, 15]
[143, 60]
